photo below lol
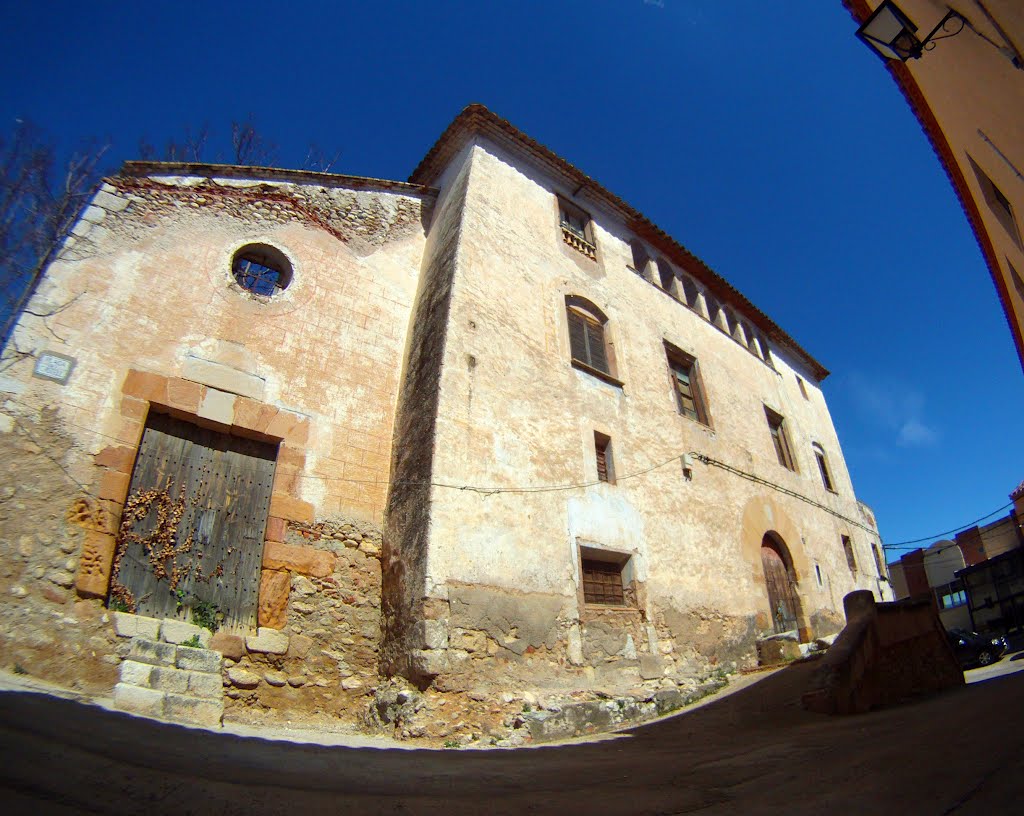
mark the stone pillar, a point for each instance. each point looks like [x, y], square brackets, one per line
[700, 305]
[860, 604]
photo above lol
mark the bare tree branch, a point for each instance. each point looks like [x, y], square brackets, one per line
[38, 208]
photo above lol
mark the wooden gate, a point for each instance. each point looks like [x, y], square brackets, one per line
[781, 594]
[193, 525]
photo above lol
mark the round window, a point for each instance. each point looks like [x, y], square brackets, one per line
[261, 269]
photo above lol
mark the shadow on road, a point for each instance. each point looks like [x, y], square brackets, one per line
[755, 750]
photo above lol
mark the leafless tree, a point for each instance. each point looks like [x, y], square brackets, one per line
[41, 195]
[40, 198]
[318, 160]
[192, 147]
[251, 149]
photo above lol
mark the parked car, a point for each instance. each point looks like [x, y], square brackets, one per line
[972, 649]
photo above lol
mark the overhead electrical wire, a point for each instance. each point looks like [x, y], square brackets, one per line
[903, 544]
[700, 457]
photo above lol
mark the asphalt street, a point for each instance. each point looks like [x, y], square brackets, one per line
[755, 751]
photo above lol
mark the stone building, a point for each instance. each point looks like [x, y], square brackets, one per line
[487, 429]
[968, 94]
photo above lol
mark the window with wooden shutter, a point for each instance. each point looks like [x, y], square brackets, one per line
[826, 477]
[776, 426]
[686, 384]
[851, 561]
[602, 583]
[605, 465]
[587, 341]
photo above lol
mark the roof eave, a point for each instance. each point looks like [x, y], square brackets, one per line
[142, 169]
[477, 119]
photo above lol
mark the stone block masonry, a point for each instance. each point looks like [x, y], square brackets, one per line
[172, 682]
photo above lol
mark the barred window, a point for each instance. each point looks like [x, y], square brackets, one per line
[261, 269]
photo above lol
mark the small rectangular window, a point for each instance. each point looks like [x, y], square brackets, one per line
[602, 582]
[817, 574]
[851, 562]
[577, 228]
[997, 201]
[777, 428]
[826, 477]
[951, 595]
[878, 560]
[605, 463]
[803, 386]
[686, 384]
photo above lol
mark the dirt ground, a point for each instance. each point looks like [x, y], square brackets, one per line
[753, 751]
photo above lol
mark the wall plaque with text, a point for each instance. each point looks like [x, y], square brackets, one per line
[55, 367]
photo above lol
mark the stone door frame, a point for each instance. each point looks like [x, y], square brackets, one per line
[207, 407]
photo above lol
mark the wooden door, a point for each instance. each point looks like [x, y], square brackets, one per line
[193, 526]
[782, 598]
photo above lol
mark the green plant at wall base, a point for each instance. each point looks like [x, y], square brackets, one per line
[451, 744]
[119, 605]
[19, 669]
[192, 642]
[205, 614]
[179, 599]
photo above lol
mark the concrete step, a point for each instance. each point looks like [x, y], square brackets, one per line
[164, 705]
[172, 682]
[144, 650]
[176, 681]
[168, 630]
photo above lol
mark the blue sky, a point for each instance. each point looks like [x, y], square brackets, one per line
[763, 136]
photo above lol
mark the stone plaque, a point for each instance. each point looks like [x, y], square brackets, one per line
[54, 366]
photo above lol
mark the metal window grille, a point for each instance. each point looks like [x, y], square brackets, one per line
[257, 277]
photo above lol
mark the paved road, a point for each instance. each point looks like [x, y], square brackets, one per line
[753, 752]
[1009, 664]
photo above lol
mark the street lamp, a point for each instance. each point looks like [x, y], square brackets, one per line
[892, 35]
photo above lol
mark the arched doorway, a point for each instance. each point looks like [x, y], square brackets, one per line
[781, 582]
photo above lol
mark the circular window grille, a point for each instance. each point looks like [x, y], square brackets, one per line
[261, 269]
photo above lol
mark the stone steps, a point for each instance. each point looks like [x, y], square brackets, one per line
[172, 682]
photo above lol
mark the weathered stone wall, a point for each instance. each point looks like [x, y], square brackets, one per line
[143, 298]
[323, 654]
[515, 415]
[409, 500]
[45, 629]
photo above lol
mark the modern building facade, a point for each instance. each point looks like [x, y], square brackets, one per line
[972, 578]
[968, 93]
[488, 428]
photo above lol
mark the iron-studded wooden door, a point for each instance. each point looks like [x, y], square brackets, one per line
[193, 525]
[781, 595]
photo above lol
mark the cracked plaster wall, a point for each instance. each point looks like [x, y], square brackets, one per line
[514, 413]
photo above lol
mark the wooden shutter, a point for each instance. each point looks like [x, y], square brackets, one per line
[586, 341]
[823, 467]
[602, 582]
[578, 337]
[595, 343]
[605, 467]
